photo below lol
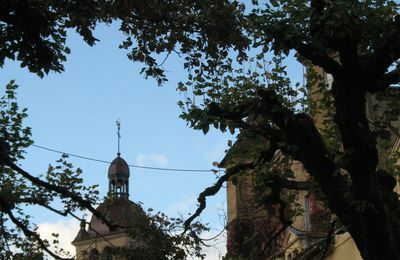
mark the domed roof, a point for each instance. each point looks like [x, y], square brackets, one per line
[118, 168]
[121, 212]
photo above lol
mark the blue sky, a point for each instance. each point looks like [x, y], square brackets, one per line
[75, 112]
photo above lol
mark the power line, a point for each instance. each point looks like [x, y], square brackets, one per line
[130, 165]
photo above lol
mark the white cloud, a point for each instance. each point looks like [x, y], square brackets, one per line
[217, 246]
[215, 238]
[182, 206]
[67, 230]
[154, 159]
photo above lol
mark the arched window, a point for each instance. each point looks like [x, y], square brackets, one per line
[328, 81]
[94, 255]
[107, 254]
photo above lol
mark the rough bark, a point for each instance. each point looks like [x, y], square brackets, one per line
[366, 206]
[372, 224]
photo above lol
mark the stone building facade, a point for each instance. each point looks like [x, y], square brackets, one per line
[306, 237]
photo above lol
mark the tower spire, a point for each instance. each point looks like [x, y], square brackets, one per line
[118, 122]
[118, 172]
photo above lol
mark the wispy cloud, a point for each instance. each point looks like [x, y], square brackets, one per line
[67, 230]
[182, 206]
[153, 159]
[215, 238]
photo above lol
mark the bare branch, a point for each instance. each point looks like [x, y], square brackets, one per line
[210, 191]
[165, 58]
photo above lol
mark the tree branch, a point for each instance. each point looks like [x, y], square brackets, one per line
[319, 56]
[386, 80]
[28, 233]
[328, 239]
[210, 191]
[236, 116]
[275, 236]
[44, 204]
[292, 185]
[300, 130]
[61, 190]
[386, 53]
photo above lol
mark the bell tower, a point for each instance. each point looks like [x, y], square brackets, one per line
[96, 241]
[118, 173]
[118, 178]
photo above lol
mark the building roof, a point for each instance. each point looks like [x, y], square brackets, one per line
[121, 212]
[82, 235]
[126, 215]
[118, 168]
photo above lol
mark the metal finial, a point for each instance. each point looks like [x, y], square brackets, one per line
[83, 222]
[118, 122]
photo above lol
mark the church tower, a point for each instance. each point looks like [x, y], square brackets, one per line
[94, 239]
[118, 178]
[118, 174]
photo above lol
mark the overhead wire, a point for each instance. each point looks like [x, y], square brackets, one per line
[130, 165]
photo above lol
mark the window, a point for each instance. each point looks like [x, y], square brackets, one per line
[307, 212]
[94, 255]
[328, 81]
[107, 254]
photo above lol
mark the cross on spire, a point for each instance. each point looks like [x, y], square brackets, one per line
[118, 122]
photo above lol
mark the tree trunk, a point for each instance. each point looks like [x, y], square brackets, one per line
[362, 199]
[372, 219]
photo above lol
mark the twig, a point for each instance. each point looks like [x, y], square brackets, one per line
[61, 190]
[29, 233]
[210, 191]
[283, 228]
